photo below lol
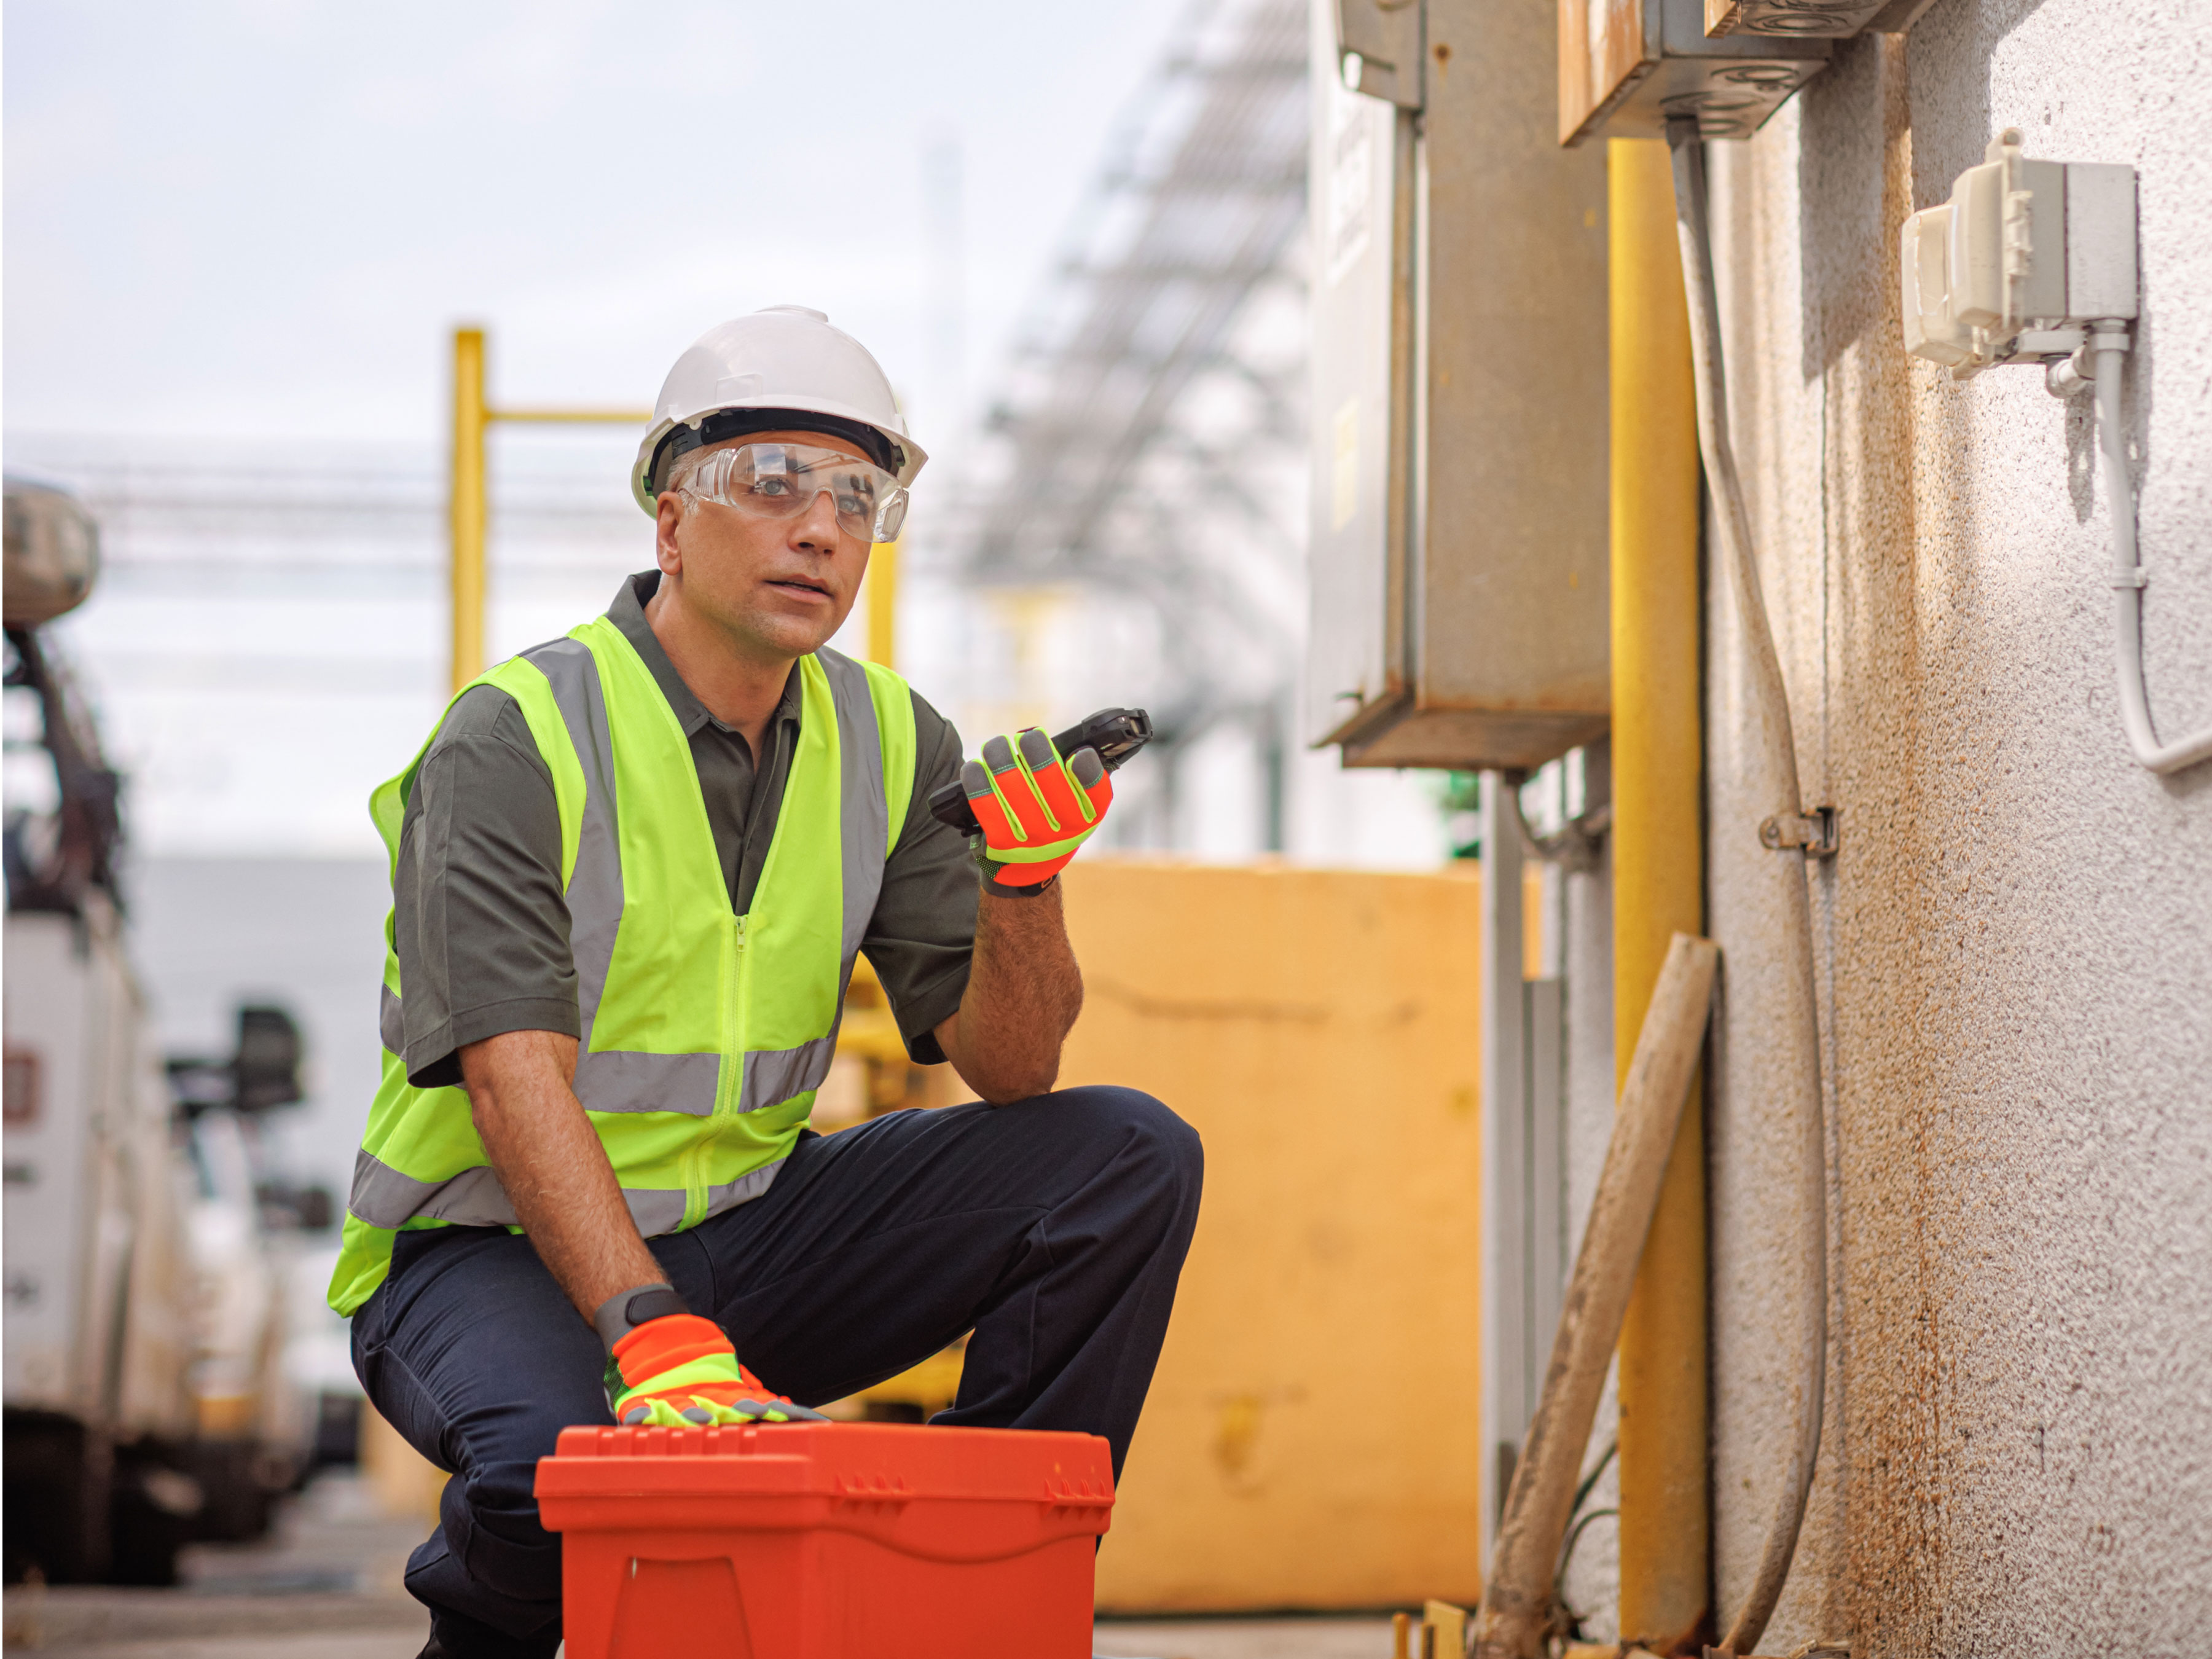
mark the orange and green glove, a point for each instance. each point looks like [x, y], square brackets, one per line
[680, 1369]
[1034, 810]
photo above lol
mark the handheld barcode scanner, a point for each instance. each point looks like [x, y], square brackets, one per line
[1116, 733]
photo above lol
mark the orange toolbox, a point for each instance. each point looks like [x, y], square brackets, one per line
[826, 1540]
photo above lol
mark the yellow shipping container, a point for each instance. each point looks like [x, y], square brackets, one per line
[1311, 1438]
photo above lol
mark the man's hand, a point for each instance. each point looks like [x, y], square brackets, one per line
[677, 1369]
[550, 1162]
[1033, 808]
[1024, 988]
[680, 1368]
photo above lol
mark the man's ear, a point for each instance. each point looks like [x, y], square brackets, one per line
[667, 553]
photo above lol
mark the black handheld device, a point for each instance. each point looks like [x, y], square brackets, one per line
[1116, 733]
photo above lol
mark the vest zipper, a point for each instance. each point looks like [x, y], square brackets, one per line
[731, 1006]
[729, 1083]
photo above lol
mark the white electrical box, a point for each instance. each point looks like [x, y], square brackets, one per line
[2020, 260]
[1460, 545]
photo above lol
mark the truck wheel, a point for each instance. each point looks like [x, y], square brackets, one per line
[155, 1511]
[56, 1503]
[239, 1484]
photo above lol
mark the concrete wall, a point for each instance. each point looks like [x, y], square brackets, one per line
[2014, 944]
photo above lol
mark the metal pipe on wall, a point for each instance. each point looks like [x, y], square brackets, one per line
[1774, 749]
[1658, 873]
[466, 506]
[1506, 1400]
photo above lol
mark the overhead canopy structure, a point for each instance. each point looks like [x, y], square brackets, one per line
[1149, 439]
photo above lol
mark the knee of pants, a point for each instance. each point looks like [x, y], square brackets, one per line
[1163, 1141]
[492, 1528]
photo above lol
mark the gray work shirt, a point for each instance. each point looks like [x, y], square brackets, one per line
[480, 918]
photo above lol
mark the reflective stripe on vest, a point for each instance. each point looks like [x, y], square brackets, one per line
[474, 1198]
[673, 990]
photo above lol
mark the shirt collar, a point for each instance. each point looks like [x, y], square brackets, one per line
[628, 614]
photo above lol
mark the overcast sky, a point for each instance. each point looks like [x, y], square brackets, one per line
[251, 217]
[247, 220]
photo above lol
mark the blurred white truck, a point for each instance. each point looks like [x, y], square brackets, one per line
[144, 1405]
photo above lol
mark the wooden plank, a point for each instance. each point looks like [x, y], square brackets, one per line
[1516, 1604]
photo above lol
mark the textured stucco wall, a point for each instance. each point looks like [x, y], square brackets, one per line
[2014, 946]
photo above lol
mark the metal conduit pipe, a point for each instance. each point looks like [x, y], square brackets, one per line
[2106, 356]
[1777, 757]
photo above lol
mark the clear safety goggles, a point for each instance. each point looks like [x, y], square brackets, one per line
[781, 481]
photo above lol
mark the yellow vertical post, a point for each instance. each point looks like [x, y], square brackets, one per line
[1658, 886]
[467, 506]
[883, 604]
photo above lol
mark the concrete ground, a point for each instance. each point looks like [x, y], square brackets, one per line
[327, 1583]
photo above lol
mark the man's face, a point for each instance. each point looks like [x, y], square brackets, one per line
[777, 587]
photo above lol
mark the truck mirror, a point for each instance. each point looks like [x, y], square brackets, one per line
[268, 1064]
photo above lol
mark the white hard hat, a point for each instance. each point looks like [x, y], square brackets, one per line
[784, 357]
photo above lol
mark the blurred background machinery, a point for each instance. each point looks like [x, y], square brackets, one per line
[147, 1401]
[1143, 463]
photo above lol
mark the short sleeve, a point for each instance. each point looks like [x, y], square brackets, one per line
[480, 918]
[921, 940]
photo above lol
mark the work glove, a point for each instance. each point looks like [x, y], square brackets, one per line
[679, 1370]
[1033, 808]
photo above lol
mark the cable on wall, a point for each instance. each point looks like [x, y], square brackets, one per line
[1799, 1044]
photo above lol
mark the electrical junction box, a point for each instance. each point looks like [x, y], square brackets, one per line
[1379, 49]
[1626, 65]
[1835, 19]
[2021, 260]
[1458, 498]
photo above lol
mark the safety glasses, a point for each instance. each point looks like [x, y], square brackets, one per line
[781, 481]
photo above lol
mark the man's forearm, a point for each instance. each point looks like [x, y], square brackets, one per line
[1023, 993]
[550, 1162]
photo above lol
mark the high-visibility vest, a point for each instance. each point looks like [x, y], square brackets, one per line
[705, 1033]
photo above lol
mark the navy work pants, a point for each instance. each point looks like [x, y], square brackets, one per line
[1054, 1229]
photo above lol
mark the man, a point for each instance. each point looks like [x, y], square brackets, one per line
[631, 872]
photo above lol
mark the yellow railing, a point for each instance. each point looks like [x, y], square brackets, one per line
[469, 500]
[469, 506]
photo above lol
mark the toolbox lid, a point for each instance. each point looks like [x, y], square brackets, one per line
[838, 1460]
